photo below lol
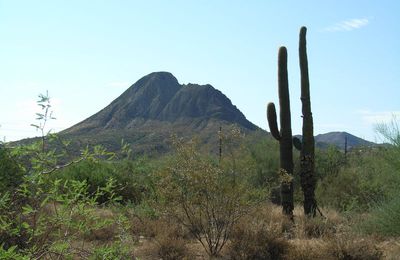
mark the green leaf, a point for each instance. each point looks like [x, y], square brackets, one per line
[25, 225]
[27, 209]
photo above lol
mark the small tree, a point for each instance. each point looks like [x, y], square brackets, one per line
[203, 195]
[390, 133]
[42, 218]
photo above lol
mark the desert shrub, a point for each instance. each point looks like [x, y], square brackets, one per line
[383, 216]
[94, 173]
[328, 161]
[136, 178]
[340, 191]
[206, 196]
[251, 240]
[170, 242]
[353, 188]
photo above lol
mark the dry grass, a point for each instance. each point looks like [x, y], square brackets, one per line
[263, 234]
[106, 232]
[351, 247]
[250, 243]
[307, 249]
[390, 249]
[319, 227]
[170, 240]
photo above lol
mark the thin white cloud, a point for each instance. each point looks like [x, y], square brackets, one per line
[348, 25]
[377, 117]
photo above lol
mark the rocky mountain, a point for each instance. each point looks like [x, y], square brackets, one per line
[153, 109]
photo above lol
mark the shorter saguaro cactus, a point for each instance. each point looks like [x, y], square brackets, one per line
[284, 136]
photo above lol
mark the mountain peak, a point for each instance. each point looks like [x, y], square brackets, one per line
[160, 76]
[159, 97]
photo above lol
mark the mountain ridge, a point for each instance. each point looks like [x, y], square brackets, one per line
[338, 139]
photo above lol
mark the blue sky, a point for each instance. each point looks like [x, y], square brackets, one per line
[86, 53]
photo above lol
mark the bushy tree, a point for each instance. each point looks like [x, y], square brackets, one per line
[206, 196]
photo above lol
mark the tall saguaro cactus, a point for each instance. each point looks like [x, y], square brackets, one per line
[307, 153]
[284, 136]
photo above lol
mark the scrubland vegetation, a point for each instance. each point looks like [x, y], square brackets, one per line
[191, 204]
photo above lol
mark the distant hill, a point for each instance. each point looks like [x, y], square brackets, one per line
[338, 139]
[153, 109]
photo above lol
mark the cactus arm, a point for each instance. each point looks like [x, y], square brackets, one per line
[272, 122]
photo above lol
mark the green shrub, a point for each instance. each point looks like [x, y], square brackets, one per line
[133, 178]
[11, 253]
[384, 218]
[328, 162]
[11, 172]
[365, 180]
[263, 154]
[115, 251]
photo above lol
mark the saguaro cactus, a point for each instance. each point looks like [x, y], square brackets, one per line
[307, 153]
[284, 136]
